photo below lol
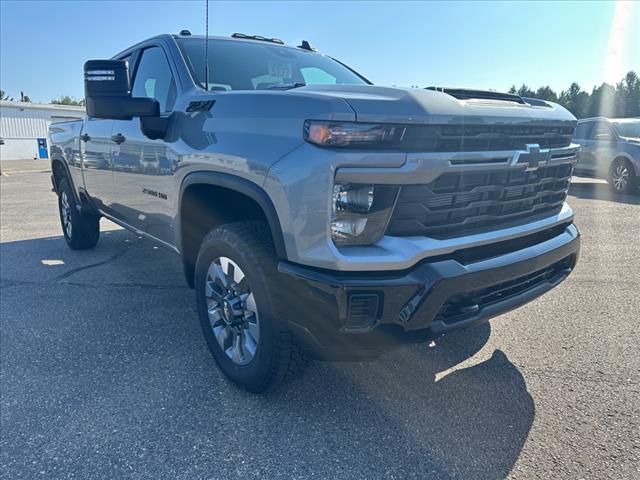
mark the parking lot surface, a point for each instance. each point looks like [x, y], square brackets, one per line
[105, 374]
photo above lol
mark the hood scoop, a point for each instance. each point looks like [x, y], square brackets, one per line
[466, 94]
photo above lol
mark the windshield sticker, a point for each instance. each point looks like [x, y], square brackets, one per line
[280, 70]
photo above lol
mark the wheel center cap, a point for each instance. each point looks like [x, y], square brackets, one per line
[231, 310]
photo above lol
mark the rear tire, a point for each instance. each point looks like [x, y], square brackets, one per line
[81, 230]
[240, 304]
[621, 177]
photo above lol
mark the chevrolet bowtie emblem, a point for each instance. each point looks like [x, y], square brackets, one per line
[532, 157]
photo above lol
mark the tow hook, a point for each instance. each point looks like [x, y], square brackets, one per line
[412, 305]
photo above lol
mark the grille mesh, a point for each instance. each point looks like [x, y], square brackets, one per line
[457, 204]
[465, 138]
[456, 307]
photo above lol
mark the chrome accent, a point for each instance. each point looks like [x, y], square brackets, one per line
[100, 72]
[532, 156]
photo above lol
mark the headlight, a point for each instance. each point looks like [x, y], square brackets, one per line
[360, 213]
[363, 135]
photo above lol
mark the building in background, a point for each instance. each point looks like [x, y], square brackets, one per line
[24, 128]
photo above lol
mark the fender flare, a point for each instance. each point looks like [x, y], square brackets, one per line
[54, 161]
[240, 185]
[67, 173]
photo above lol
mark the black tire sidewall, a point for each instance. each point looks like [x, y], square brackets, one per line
[85, 227]
[256, 374]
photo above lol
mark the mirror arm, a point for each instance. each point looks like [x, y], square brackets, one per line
[155, 127]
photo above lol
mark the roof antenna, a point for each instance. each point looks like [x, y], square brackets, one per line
[206, 47]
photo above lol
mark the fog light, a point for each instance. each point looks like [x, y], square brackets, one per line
[353, 198]
[360, 212]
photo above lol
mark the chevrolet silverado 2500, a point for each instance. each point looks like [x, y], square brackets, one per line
[317, 214]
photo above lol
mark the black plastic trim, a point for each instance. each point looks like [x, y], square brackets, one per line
[240, 185]
[318, 310]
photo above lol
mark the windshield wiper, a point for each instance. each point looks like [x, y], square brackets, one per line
[286, 86]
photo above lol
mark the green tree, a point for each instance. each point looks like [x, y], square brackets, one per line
[575, 100]
[628, 92]
[67, 100]
[24, 98]
[603, 102]
[546, 93]
[525, 91]
[4, 96]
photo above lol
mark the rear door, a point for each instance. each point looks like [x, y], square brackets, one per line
[142, 168]
[603, 148]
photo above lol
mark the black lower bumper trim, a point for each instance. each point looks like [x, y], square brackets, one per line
[432, 298]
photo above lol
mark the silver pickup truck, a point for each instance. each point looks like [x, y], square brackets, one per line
[317, 214]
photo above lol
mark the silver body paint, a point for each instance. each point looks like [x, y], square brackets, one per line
[258, 136]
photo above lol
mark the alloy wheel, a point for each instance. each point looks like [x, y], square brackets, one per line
[620, 177]
[232, 310]
[65, 213]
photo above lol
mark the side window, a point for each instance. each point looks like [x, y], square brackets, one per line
[583, 130]
[601, 131]
[154, 79]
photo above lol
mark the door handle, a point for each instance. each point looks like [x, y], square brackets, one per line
[118, 138]
[85, 137]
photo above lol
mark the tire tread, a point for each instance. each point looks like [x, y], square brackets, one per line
[253, 238]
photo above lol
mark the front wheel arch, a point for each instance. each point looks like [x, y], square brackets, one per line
[199, 212]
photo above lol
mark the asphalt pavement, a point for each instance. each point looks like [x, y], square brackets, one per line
[104, 372]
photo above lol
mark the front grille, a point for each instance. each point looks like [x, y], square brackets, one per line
[464, 203]
[460, 307]
[465, 138]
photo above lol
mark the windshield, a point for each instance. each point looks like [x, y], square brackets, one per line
[628, 129]
[237, 65]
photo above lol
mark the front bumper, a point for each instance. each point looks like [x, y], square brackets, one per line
[359, 314]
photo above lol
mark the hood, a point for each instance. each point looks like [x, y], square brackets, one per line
[411, 105]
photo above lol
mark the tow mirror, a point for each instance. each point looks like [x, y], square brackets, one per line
[107, 92]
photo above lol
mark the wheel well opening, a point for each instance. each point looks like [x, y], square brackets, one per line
[205, 207]
[622, 159]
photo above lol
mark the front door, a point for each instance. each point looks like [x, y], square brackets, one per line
[95, 148]
[142, 167]
[581, 137]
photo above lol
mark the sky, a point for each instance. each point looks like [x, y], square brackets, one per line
[486, 45]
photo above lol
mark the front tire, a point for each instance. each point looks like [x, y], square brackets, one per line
[239, 305]
[621, 177]
[81, 230]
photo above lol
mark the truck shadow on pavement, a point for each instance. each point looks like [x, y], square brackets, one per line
[470, 422]
[123, 385]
